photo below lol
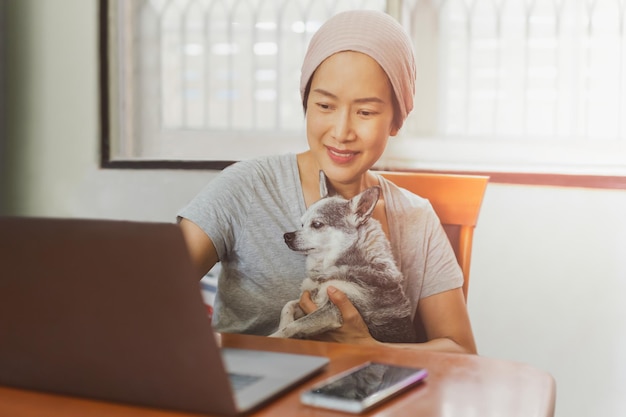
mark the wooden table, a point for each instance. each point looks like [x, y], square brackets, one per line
[458, 385]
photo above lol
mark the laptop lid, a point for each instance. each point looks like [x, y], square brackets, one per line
[112, 310]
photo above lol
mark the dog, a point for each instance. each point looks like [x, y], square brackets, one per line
[347, 248]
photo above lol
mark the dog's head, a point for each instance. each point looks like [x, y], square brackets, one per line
[330, 226]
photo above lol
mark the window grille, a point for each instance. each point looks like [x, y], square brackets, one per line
[535, 85]
[212, 79]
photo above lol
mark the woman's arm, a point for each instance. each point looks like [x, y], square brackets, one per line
[201, 249]
[444, 316]
[447, 322]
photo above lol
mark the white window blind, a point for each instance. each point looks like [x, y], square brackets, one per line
[517, 85]
[505, 85]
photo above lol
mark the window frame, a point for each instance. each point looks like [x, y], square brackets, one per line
[106, 160]
[496, 176]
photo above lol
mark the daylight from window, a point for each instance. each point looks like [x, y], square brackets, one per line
[534, 85]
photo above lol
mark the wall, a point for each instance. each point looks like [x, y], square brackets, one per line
[548, 277]
[548, 266]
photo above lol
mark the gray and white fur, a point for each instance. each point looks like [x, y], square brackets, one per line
[347, 248]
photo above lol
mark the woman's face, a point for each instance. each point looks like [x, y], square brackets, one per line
[349, 115]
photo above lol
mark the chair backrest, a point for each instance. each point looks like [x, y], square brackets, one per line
[456, 200]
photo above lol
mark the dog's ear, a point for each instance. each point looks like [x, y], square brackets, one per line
[363, 204]
[326, 189]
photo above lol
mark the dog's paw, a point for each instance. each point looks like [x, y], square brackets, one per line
[279, 333]
[289, 313]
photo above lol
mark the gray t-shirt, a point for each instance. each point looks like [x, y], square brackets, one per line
[248, 207]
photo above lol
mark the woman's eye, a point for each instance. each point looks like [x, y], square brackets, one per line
[316, 225]
[323, 106]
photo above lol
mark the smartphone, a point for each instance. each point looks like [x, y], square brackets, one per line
[360, 388]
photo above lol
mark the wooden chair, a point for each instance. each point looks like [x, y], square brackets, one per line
[456, 200]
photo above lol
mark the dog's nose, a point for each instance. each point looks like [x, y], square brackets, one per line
[289, 237]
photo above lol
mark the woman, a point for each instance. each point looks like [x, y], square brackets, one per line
[357, 88]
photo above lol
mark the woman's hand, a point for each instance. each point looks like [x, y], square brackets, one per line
[444, 315]
[354, 330]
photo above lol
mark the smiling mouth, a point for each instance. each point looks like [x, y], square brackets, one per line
[340, 156]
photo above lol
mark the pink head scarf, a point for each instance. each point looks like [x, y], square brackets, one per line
[372, 33]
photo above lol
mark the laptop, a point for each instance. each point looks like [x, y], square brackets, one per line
[112, 310]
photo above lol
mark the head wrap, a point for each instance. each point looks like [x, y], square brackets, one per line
[373, 33]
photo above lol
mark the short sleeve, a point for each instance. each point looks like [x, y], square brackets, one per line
[220, 207]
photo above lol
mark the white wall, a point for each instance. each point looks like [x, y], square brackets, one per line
[548, 271]
[548, 277]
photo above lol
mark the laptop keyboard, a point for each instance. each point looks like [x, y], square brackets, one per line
[241, 381]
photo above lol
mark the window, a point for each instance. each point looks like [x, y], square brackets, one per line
[209, 79]
[517, 86]
[531, 86]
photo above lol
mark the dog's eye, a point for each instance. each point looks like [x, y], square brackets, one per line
[316, 225]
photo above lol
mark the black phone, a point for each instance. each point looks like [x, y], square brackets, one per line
[363, 387]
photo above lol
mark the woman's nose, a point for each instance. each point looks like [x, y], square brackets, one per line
[343, 129]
